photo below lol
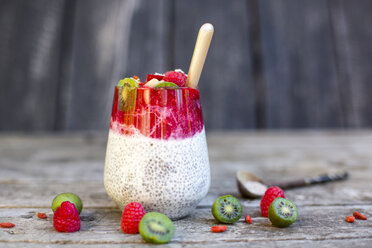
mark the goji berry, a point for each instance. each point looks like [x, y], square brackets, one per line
[350, 219]
[136, 78]
[6, 225]
[218, 228]
[359, 216]
[248, 219]
[41, 215]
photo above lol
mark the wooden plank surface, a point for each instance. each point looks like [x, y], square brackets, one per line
[301, 78]
[150, 45]
[34, 168]
[350, 39]
[272, 63]
[103, 227]
[29, 63]
[100, 50]
[229, 90]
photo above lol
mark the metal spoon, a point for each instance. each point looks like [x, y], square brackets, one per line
[251, 186]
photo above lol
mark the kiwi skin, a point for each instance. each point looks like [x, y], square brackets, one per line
[158, 218]
[223, 200]
[277, 220]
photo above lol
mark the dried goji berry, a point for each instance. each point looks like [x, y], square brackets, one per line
[248, 219]
[359, 216]
[350, 219]
[6, 225]
[219, 228]
[41, 215]
[136, 77]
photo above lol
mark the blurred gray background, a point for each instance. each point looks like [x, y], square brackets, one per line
[273, 64]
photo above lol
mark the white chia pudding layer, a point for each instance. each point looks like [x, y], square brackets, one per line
[168, 176]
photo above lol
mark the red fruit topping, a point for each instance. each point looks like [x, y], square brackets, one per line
[136, 78]
[160, 114]
[248, 219]
[6, 225]
[350, 219]
[359, 216]
[157, 76]
[270, 195]
[132, 215]
[42, 215]
[66, 218]
[176, 77]
[218, 228]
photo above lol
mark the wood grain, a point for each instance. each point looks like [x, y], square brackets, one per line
[301, 78]
[350, 37]
[229, 50]
[29, 63]
[100, 41]
[272, 64]
[35, 168]
[103, 227]
[150, 47]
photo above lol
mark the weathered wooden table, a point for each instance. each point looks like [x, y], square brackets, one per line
[36, 168]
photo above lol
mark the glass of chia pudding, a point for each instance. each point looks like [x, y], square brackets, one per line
[156, 151]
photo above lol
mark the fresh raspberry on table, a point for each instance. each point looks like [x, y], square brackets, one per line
[177, 77]
[270, 195]
[66, 218]
[132, 215]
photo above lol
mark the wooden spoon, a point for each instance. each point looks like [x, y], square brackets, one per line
[251, 186]
[200, 53]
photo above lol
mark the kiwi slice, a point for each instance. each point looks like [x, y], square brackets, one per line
[127, 94]
[227, 209]
[282, 212]
[71, 197]
[128, 82]
[167, 85]
[156, 228]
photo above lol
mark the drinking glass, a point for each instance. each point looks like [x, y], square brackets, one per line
[156, 150]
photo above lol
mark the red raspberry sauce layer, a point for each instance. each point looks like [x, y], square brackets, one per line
[160, 113]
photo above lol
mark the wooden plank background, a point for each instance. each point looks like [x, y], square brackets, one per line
[272, 64]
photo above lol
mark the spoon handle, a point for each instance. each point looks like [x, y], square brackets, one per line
[200, 53]
[324, 178]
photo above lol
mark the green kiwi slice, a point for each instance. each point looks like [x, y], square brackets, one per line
[282, 212]
[167, 85]
[71, 197]
[156, 228]
[227, 209]
[127, 94]
[128, 82]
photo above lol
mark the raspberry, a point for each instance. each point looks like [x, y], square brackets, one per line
[66, 218]
[176, 77]
[270, 195]
[132, 215]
